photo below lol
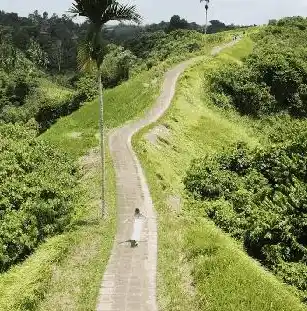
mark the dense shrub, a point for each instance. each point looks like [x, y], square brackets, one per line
[260, 197]
[15, 87]
[37, 192]
[117, 65]
[49, 111]
[273, 78]
[87, 87]
[158, 46]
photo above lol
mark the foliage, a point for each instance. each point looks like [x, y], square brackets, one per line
[49, 111]
[15, 87]
[177, 23]
[37, 55]
[273, 79]
[116, 65]
[200, 267]
[86, 86]
[259, 196]
[58, 36]
[155, 47]
[36, 195]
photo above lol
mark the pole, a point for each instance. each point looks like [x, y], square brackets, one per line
[102, 149]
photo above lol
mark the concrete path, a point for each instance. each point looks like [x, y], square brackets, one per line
[129, 283]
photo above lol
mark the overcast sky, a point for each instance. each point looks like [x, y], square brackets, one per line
[229, 11]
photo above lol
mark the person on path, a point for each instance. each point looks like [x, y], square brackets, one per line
[137, 227]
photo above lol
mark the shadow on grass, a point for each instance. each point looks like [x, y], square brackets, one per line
[86, 223]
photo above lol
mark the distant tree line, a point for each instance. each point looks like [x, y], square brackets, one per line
[51, 41]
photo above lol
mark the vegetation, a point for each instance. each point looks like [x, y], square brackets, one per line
[258, 194]
[200, 267]
[156, 47]
[51, 41]
[37, 196]
[93, 50]
[78, 256]
[259, 197]
[273, 78]
[75, 256]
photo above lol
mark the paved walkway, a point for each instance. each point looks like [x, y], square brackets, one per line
[129, 283]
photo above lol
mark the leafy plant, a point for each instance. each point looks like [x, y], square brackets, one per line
[260, 197]
[273, 79]
[37, 196]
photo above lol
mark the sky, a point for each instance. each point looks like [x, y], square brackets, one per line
[242, 12]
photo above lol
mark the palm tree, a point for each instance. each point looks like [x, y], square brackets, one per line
[92, 51]
[206, 7]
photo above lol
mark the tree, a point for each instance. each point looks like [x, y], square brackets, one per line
[206, 7]
[8, 53]
[217, 26]
[98, 13]
[37, 55]
[57, 49]
[177, 23]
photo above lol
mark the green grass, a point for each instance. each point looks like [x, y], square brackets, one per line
[121, 104]
[54, 91]
[199, 266]
[124, 103]
[66, 271]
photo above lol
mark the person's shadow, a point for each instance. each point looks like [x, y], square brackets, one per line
[131, 242]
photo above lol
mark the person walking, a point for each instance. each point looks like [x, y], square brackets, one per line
[137, 227]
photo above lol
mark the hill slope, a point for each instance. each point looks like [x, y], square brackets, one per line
[79, 256]
[200, 267]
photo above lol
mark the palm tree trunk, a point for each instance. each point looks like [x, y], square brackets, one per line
[206, 26]
[102, 148]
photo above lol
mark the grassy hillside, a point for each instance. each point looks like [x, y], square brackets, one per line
[258, 195]
[200, 267]
[79, 257]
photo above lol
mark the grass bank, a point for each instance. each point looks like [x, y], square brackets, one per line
[66, 271]
[199, 266]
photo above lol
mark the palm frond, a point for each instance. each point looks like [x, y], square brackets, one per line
[121, 12]
[92, 9]
[84, 59]
[100, 12]
[92, 50]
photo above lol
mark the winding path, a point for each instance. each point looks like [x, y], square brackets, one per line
[129, 283]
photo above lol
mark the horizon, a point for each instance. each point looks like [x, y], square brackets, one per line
[238, 12]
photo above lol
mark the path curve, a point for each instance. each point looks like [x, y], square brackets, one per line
[129, 282]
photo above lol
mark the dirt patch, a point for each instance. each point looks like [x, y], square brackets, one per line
[157, 132]
[187, 278]
[75, 134]
[174, 202]
[90, 160]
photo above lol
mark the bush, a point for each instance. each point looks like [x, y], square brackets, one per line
[273, 79]
[158, 46]
[260, 197]
[37, 192]
[117, 65]
[87, 87]
[49, 111]
[15, 87]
